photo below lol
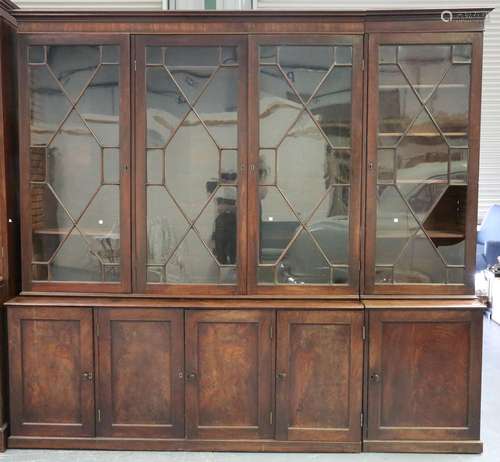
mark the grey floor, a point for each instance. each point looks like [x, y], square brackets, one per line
[490, 434]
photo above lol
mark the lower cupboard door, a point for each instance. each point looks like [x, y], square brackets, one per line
[319, 376]
[424, 375]
[51, 371]
[141, 380]
[229, 374]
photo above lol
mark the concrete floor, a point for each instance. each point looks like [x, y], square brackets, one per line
[490, 434]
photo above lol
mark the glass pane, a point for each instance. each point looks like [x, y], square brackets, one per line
[385, 164]
[155, 160]
[100, 224]
[193, 154]
[267, 166]
[398, 105]
[456, 275]
[48, 105]
[154, 55]
[166, 225]
[110, 54]
[229, 56]
[73, 66]
[36, 54]
[422, 197]
[218, 107]
[331, 106]
[165, 106]
[75, 164]
[303, 179]
[229, 166]
[423, 153]
[217, 225]
[192, 81]
[111, 166]
[192, 165]
[305, 139]
[459, 159]
[278, 224]
[435, 59]
[305, 67]
[449, 105]
[395, 225]
[329, 225]
[425, 214]
[192, 56]
[100, 105]
[419, 263]
[279, 106]
[268, 54]
[50, 223]
[304, 263]
[75, 261]
[192, 263]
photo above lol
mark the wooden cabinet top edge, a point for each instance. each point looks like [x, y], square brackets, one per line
[385, 304]
[195, 303]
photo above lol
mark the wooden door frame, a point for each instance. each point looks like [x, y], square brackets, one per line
[375, 431]
[122, 40]
[164, 289]
[355, 321]
[265, 320]
[104, 386]
[19, 426]
[355, 235]
[376, 39]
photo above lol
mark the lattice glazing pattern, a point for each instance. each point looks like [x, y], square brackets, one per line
[422, 163]
[74, 162]
[192, 164]
[304, 164]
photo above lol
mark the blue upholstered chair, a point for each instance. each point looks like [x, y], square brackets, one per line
[488, 239]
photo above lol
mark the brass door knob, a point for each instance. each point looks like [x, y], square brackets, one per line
[88, 375]
[282, 375]
[191, 375]
[375, 377]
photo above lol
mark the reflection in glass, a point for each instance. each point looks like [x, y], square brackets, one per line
[421, 220]
[192, 166]
[304, 164]
[75, 163]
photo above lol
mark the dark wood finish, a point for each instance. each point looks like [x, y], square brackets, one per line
[51, 374]
[124, 138]
[319, 370]
[182, 445]
[377, 304]
[141, 285]
[141, 373]
[424, 375]
[443, 447]
[198, 303]
[356, 159]
[9, 209]
[229, 382]
[376, 39]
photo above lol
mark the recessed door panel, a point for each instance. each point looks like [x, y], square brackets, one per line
[229, 374]
[52, 371]
[319, 374]
[141, 373]
[424, 375]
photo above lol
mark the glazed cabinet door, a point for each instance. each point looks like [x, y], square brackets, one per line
[229, 374]
[319, 373]
[423, 161]
[51, 371]
[141, 373]
[304, 186]
[191, 157]
[424, 375]
[75, 162]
